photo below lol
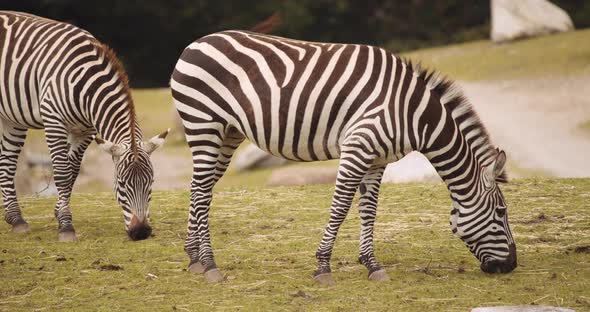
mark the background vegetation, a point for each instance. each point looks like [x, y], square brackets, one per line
[149, 36]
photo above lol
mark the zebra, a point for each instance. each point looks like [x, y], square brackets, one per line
[58, 77]
[310, 101]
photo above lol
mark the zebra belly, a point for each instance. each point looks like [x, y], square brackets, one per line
[17, 108]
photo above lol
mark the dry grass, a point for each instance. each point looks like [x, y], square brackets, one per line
[265, 239]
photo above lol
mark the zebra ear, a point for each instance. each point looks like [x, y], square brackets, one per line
[499, 167]
[155, 142]
[114, 149]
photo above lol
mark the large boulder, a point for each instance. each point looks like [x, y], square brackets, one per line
[415, 167]
[513, 20]
[303, 175]
[251, 157]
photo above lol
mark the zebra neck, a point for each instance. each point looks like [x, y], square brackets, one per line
[458, 164]
[117, 125]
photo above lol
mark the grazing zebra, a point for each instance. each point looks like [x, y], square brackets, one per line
[58, 77]
[308, 101]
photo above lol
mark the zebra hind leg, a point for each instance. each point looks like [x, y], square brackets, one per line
[369, 194]
[209, 165]
[13, 139]
[354, 165]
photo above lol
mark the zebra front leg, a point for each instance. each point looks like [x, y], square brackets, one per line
[13, 139]
[78, 144]
[209, 166]
[369, 194]
[57, 141]
[354, 164]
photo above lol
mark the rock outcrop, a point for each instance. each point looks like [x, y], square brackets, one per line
[251, 157]
[513, 20]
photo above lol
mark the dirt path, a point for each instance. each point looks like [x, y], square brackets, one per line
[536, 121]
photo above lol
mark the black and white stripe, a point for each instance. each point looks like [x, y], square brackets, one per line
[310, 101]
[58, 77]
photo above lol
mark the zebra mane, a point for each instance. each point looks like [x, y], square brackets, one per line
[461, 110]
[111, 57]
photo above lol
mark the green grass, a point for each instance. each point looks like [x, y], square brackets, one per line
[558, 54]
[155, 110]
[585, 127]
[265, 240]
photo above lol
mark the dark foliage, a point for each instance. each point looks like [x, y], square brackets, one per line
[149, 35]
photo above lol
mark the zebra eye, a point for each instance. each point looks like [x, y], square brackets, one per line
[501, 211]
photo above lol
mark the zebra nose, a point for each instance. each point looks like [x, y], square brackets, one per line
[139, 230]
[501, 266]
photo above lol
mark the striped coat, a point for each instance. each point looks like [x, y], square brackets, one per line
[58, 77]
[309, 101]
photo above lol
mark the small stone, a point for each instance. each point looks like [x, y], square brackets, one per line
[522, 308]
[301, 294]
[151, 276]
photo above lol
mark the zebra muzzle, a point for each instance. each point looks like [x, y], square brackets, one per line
[139, 230]
[501, 266]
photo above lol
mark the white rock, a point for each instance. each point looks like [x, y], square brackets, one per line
[251, 157]
[297, 175]
[415, 167]
[522, 308]
[527, 18]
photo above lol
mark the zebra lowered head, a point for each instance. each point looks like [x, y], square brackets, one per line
[482, 222]
[134, 176]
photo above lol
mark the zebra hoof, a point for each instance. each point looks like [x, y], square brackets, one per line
[324, 279]
[213, 276]
[21, 228]
[379, 276]
[196, 267]
[69, 236]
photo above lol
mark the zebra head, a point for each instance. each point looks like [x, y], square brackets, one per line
[482, 223]
[134, 176]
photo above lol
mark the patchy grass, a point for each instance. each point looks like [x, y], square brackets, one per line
[585, 127]
[558, 54]
[155, 111]
[265, 240]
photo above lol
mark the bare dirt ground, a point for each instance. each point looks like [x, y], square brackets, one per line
[536, 121]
